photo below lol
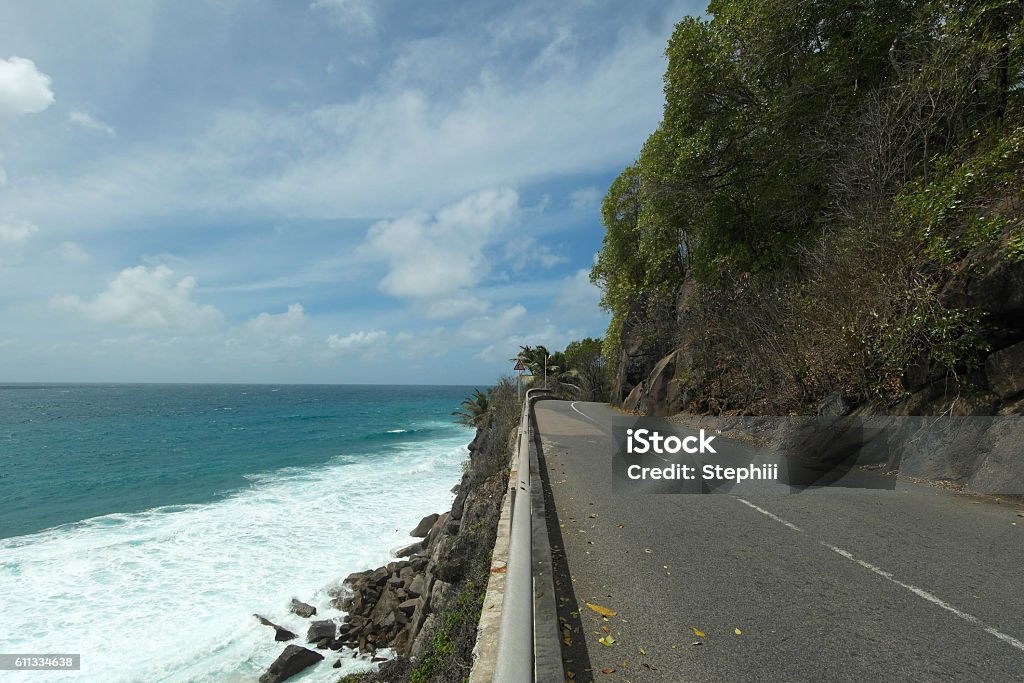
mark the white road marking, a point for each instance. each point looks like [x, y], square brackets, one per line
[920, 592]
[573, 406]
[778, 519]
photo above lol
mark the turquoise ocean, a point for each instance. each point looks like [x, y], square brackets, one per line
[143, 525]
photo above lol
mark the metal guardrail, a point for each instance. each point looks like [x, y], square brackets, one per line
[515, 657]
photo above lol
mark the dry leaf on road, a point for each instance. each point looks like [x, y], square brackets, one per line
[603, 611]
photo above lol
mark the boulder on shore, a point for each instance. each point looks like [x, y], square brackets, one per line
[322, 632]
[281, 634]
[423, 528]
[303, 609]
[290, 662]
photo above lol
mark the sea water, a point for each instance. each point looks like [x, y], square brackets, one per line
[143, 525]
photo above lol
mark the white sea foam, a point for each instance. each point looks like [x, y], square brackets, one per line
[168, 594]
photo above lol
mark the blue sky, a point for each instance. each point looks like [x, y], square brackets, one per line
[310, 191]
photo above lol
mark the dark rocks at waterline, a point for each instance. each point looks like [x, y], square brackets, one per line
[281, 634]
[388, 607]
[302, 609]
[322, 633]
[424, 526]
[290, 662]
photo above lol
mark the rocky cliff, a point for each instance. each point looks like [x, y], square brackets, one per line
[425, 605]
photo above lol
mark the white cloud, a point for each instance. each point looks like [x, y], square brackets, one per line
[141, 297]
[16, 232]
[85, 120]
[491, 327]
[525, 251]
[285, 325]
[357, 342]
[577, 301]
[23, 88]
[455, 307]
[442, 257]
[354, 15]
[390, 149]
[586, 198]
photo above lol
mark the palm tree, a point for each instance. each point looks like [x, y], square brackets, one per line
[475, 409]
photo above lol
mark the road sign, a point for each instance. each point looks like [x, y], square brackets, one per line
[519, 365]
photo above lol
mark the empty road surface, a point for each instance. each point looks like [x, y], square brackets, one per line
[917, 584]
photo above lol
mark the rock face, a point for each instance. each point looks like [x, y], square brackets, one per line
[290, 662]
[302, 609]
[1005, 371]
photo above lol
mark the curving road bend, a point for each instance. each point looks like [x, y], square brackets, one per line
[917, 584]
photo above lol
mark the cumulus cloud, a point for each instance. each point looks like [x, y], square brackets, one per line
[441, 257]
[85, 120]
[16, 232]
[23, 88]
[586, 198]
[285, 325]
[357, 342]
[146, 298]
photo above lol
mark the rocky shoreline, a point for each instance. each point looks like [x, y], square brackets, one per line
[420, 610]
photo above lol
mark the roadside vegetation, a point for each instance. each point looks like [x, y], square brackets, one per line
[802, 220]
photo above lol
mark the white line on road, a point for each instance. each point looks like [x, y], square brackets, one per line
[920, 592]
[778, 519]
[573, 406]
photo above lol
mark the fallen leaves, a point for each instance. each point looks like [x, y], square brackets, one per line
[697, 632]
[737, 632]
[603, 611]
[607, 640]
[607, 670]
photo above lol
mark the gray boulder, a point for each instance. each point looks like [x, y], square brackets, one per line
[290, 662]
[423, 528]
[302, 609]
[281, 634]
[322, 632]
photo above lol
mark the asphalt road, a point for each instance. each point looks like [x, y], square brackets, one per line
[917, 584]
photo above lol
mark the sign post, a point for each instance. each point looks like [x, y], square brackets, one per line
[520, 368]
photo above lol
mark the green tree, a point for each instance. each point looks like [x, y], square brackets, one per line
[587, 369]
[474, 409]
